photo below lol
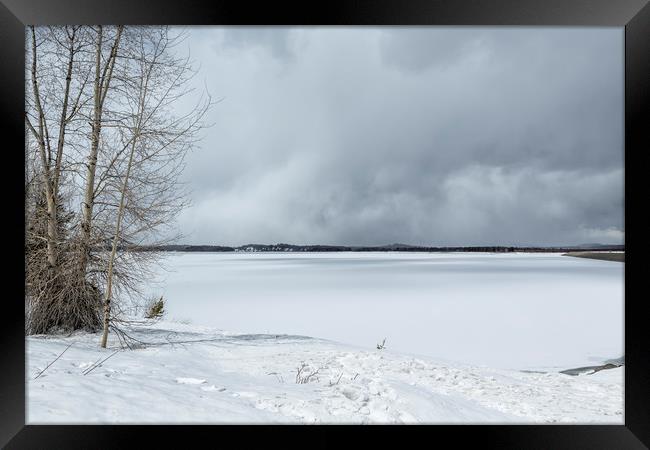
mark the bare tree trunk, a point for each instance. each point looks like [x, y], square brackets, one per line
[42, 136]
[142, 96]
[63, 121]
[156, 143]
[111, 261]
[101, 85]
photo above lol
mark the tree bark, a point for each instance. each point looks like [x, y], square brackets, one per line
[120, 211]
[101, 86]
[63, 121]
[43, 146]
[111, 261]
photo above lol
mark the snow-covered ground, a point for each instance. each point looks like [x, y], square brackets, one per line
[518, 311]
[192, 374]
[463, 332]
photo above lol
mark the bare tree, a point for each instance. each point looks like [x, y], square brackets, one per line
[51, 105]
[41, 134]
[109, 121]
[149, 194]
[101, 86]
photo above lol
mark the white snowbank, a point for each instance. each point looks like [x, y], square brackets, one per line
[194, 374]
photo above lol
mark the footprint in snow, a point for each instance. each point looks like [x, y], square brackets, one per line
[213, 388]
[190, 381]
[245, 394]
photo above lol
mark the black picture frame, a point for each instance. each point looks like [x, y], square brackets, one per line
[633, 15]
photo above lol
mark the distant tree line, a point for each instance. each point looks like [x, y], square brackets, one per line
[386, 248]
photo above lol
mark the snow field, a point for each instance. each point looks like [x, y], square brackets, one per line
[513, 311]
[227, 378]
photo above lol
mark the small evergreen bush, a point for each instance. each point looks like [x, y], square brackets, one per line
[155, 309]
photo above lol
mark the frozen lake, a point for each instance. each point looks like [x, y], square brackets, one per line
[502, 310]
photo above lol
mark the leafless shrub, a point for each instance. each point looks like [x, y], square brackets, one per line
[306, 374]
[58, 298]
[58, 302]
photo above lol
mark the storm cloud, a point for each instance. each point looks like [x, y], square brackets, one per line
[416, 135]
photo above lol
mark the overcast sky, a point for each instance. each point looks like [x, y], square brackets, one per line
[416, 135]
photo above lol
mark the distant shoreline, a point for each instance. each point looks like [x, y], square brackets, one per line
[284, 248]
[602, 255]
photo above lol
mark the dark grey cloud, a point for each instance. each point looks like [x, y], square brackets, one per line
[278, 42]
[274, 39]
[420, 48]
[440, 136]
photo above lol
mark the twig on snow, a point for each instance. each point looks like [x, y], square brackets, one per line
[278, 376]
[93, 367]
[337, 381]
[46, 367]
